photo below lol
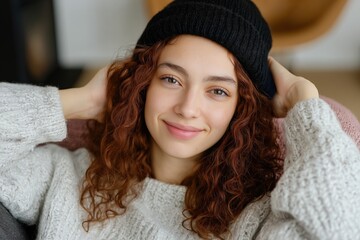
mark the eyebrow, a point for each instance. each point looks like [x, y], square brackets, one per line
[183, 72]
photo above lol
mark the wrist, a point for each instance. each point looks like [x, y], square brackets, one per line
[301, 92]
[74, 103]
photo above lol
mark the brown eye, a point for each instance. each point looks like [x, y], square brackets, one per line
[219, 92]
[170, 80]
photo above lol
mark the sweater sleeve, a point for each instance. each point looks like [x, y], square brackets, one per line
[30, 115]
[318, 196]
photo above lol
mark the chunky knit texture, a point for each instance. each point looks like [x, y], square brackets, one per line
[318, 196]
[236, 25]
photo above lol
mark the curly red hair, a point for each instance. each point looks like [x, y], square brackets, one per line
[240, 168]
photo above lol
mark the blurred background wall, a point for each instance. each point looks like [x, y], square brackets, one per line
[92, 33]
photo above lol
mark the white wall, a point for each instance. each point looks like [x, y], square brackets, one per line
[93, 32]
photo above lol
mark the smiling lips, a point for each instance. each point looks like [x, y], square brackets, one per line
[182, 132]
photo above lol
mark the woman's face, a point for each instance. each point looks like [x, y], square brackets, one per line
[192, 97]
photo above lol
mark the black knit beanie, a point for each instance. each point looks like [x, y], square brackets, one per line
[237, 25]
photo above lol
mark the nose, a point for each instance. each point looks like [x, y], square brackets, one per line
[189, 105]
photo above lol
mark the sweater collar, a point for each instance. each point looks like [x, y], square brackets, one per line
[163, 194]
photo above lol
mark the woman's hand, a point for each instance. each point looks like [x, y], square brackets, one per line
[290, 89]
[86, 102]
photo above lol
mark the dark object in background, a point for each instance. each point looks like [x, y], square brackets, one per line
[11, 229]
[28, 46]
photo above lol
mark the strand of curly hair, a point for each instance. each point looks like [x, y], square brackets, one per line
[241, 167]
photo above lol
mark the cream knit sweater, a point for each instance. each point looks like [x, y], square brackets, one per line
[318, 196]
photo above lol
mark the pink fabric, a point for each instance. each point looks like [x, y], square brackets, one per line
[347, 119]
[76, 135]
[350, 124]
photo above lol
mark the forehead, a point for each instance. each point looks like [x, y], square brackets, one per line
[191, 51]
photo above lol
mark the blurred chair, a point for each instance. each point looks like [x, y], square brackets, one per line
[294, 22]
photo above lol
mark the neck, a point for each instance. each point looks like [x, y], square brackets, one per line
[170, 169]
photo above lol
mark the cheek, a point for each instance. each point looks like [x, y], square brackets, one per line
[155, 103]
[151, 106]
[220, 120]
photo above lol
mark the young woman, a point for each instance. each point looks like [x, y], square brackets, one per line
[185, 147]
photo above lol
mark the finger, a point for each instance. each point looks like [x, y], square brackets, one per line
[279, 71]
